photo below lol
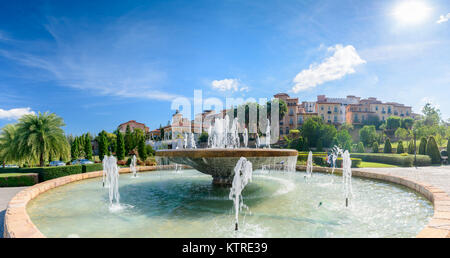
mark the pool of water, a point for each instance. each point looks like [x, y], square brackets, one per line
[185, 204]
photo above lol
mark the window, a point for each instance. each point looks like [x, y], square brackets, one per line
[300, 120]
[335, 119]
[376, 108]
[291, 122]
[335, 109]
[321, 108]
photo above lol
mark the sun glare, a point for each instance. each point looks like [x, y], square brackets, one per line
[411, 12]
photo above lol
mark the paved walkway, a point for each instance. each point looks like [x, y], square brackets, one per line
[6, 193]
[436, 176]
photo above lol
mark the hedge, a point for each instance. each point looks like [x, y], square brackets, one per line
[304, 156]
[92, 167]
[18, 179]
[322, 161]
[394, 159]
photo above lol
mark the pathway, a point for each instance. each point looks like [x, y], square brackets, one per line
[6, 193]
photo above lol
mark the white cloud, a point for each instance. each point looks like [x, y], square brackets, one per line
[113, 61]
[444, 18]
[343, 62]
[14, 113]
[232, 85]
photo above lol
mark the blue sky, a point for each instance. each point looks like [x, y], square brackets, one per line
[100, 63]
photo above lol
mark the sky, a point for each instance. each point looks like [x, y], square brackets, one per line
[100, 63]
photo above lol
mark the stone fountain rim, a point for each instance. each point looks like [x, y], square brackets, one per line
[227, 153]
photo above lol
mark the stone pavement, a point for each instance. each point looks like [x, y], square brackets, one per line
[438, 176]
[6, 193]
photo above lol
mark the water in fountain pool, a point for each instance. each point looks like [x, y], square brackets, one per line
[170, 204]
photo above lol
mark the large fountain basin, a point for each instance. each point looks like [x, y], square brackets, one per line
[220, 163]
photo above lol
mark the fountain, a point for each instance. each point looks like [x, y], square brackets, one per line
[133, 168]
[309, 164]
[242, 176]
[224, 152]
[347, 176]
[111, 179]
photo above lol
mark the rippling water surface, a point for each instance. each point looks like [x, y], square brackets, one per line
[186, 204]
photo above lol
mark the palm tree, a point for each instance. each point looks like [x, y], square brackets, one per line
[41, 135]
[7, 145]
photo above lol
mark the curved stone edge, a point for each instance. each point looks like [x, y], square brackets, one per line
[439, 225]
[17, 222]
[224, 153]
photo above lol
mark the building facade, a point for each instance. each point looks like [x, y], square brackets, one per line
[133, 125]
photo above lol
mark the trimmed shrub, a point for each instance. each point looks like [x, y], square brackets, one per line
[360, 148]
[91, 167]
[423, 146]
[403, 160]
[433, 151]
[387, 146]
[400, 148]
[355, 162]
[411, 147]
[375, 147]
[18, 179]
[448, 146]
[47, 173]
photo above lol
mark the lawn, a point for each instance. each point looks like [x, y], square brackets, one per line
[365, 164]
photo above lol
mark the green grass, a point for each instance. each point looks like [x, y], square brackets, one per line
[365, 164]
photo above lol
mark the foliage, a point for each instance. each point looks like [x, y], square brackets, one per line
[393, 122]
[433, 151]
[150, 150]
[40, 135]
[120, 146]
[375, 147]
[318, 134]
[297, 144]
[128, 140]
[402, 133]
[7, 144]
[87, 147]
[18, 179]
[203, 137]
[423, 146]
[407, 123]
[360, 148]
[387, 146]
[368, 135]
[448, 145]
[411, 148]
[102, 141]
[142, 150]
[400, 148]
[394, 159]
[86, 168]
[343, 139]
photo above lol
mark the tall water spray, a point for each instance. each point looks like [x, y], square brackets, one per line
[309, 164]
[222, 136]
[245, 136]
[133, 168]
[258, 141]
[268, 134]
[111, 179]
[242, 176]
[192, 144]
[335, 152]
[347, 176]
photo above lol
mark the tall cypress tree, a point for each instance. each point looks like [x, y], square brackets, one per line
[120, 146]
[433, 151]
[102, 144]
[400, 148]
[87, 147]
[142, 149]
[387, 146]
[128, 140]
[411, 147]
[423, 146]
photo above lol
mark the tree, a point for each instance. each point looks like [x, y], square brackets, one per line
[448, 147]
[8, 152]
[39, 135]
[407, 123]
[150, 150]
[75, 149]
[411, 148]
[360, 148]
[120, 146]
[87, 147]
[400, 148]
[387, 146]
[142, 150]
[327, 134]
[297, 144]
[433, 151]
[393, 122]
[368, 135]
[375, 147]
[137, 135]
[128, 140]
[402, 133]
[372, 120]
[203, 137]
[311, 130]
[102, 141]
[344, 139]
[423, 146]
